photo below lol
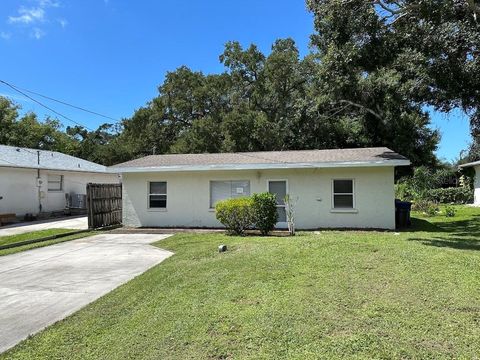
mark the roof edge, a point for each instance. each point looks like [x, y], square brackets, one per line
[470, 164]
[266, 166]
[106, 171]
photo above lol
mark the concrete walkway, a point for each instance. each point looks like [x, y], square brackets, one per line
[62, 223]
[42, 286]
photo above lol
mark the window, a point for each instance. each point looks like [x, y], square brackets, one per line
[221, 190]
[55, 182]
[343, 194]
[157, 196]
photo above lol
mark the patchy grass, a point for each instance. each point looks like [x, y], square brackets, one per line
[333, 294]
[38, 235]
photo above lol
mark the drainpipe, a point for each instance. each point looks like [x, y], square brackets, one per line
[39, 184]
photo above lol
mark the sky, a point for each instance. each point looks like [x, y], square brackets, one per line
[110, 56]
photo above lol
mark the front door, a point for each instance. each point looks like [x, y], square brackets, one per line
[279, 188]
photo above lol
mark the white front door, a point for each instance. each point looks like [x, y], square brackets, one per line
[279, 188]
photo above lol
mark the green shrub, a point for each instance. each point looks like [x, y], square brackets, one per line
[422, 183]
[264, 212]
[404, 192]
[454, 195]
[427, 207]
[235, 214]
[450, 211]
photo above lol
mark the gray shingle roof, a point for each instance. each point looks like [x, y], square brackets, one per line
[380, 156]
[11, 156]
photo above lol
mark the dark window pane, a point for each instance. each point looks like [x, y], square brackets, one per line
[342, 186]
[282, 214]
[158, 187]
[279, 188]
[343, 201]
[158, 201]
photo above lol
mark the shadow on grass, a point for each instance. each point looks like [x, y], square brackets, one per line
[463, 234]
[454, 243]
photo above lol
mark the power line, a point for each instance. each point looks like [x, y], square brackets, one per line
[67, 104]
[43, 105]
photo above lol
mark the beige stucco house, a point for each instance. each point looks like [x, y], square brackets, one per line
[476, 166]
[36, 181]
[347, 188]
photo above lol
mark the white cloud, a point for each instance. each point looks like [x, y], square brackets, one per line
[35, 18]
[63, 23]
[5, 35]
[38, 33]
[48, 3]
[28, 16]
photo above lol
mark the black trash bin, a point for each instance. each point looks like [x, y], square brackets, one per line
[402, 213]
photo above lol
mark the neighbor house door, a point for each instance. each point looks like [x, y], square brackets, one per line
[279, 188]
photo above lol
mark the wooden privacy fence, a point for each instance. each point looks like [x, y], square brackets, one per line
[104, 205]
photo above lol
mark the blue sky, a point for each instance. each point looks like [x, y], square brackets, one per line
[110, 55]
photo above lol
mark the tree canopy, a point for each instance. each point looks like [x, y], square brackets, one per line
[373, 69]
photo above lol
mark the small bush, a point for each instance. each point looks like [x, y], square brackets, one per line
[427, 207]
[264, 212]
[235, 214]
[432, 209]
[450, 211]
[454, 195]
[403, 192]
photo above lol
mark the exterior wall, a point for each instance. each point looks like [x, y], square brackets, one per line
[21, 195]
[188, 195]
[73, 183]
[19, 192]
[476, 200]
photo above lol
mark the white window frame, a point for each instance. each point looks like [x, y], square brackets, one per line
[149, 194]
[354, 205]
[280, 223]
[225, 180]
[55, 182]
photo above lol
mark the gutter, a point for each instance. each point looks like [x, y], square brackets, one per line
[106, 171]
[267, 166]
[472, 164]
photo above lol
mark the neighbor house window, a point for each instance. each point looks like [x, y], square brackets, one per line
[221, 190]
[55, 182]
[343, 194]
[157, 196]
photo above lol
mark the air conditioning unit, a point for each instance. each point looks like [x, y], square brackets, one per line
[76, 201]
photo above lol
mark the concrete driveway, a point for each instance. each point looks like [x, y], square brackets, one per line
[39, 287]
[79, 222]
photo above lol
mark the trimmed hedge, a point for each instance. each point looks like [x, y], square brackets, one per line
[235, 214]
[457, 195]
[265, 213]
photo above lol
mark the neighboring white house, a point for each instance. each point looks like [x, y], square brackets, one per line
[476, 166]
[36, 181]
[347, 188]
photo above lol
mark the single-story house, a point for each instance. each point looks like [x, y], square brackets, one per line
[36, 181]
[341, 188]
[476, 166]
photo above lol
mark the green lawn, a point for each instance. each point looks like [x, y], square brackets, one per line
[333, 294]
[4, 240]
[11, 239]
